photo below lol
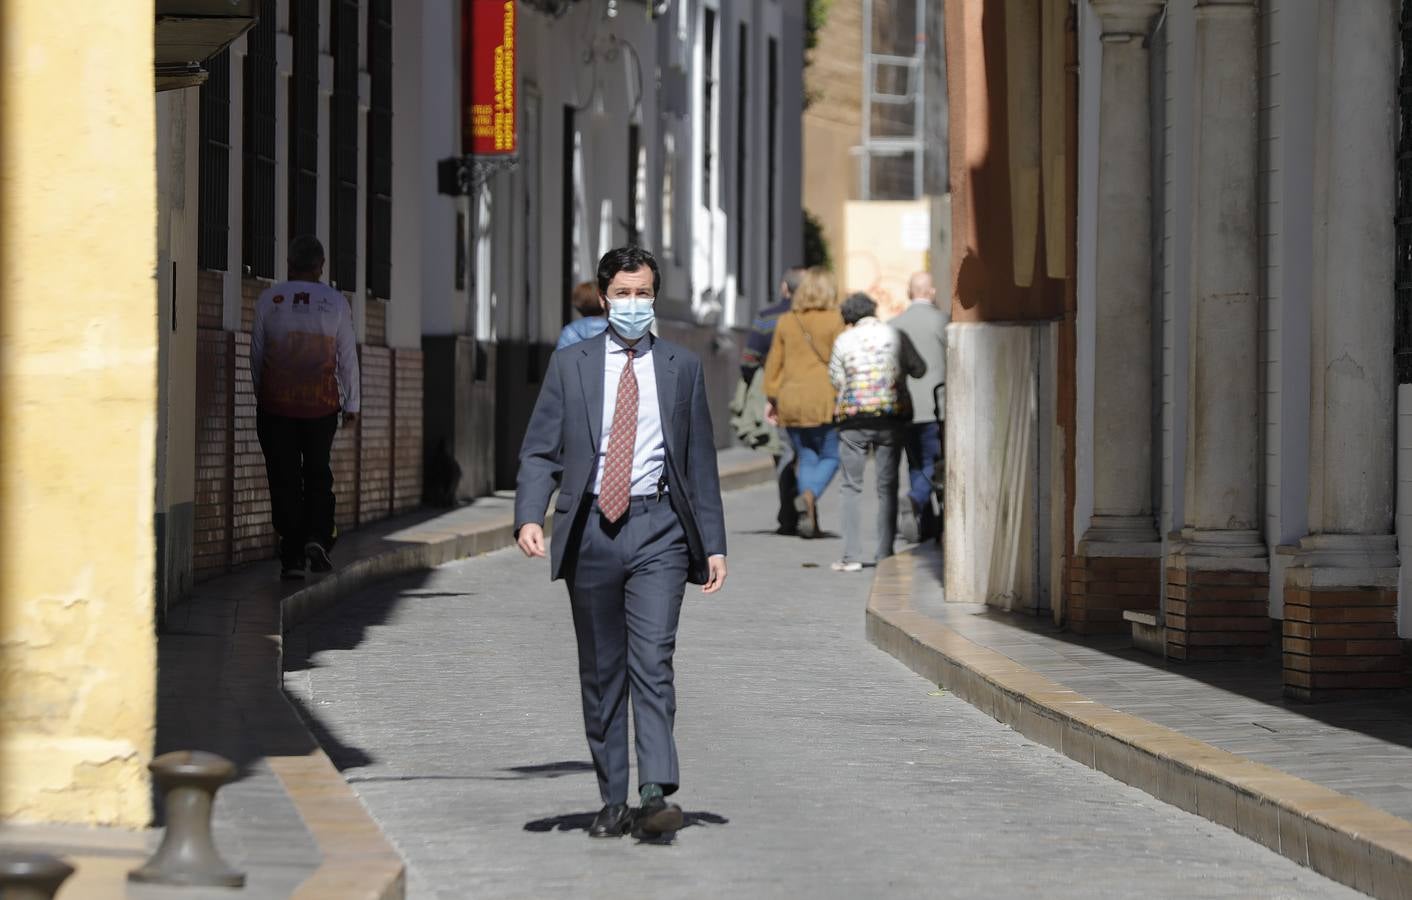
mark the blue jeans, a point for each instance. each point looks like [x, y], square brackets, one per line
[816, 449]
[923, 452]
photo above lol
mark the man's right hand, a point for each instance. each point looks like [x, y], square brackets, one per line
[531, 540]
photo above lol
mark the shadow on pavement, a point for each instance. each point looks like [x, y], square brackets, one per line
[521, 773]
[581, 821]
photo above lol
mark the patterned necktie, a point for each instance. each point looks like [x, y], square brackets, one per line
[617, 466]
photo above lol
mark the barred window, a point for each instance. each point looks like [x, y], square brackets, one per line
[773, 263]
[213, 227]
[708, 105]
[258, 216]
[379, 273]
[1403, 272]
[304, 119]
[343, 147]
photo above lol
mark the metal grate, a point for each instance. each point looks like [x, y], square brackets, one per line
[708, 103]
[1403, 271]
[213, 228]
[261, 76]
[304, 120]
[343, 147]
[742, 162]
[379, 272]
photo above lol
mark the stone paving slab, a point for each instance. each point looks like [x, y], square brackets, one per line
[813, 765]
[1325, 785]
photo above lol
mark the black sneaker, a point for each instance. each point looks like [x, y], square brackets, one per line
[318, 557]
[292, 572]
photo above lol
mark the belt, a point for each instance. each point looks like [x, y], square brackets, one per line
[639, 500]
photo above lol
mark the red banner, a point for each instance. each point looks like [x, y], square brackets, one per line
[488, 77]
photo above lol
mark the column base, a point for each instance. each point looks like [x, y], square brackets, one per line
[1105, 579]
[1340, 626]
[1218, 597]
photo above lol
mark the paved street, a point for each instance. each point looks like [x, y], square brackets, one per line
[813, 765]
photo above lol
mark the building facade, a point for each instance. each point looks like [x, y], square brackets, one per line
[673, 125]
[1228, 459]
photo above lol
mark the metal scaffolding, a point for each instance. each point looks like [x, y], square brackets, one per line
[892, 151]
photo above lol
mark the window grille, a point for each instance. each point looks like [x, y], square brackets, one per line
[213, 228]
[708, 98]
[1403, 271]
[343, 147]
[634, 173]
[742, 133]
[379, 273]
[258, 216]
[304, 120]
[772, 261]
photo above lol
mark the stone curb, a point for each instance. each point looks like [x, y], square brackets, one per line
[1339, 837]
[358, 859]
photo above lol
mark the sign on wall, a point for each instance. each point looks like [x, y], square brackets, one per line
[488, 90]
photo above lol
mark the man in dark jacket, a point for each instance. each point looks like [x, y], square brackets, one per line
[752, 359]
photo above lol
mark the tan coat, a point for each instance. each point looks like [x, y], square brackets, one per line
[796, 373]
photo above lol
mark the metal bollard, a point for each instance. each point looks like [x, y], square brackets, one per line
[188, 780]
[31, 876]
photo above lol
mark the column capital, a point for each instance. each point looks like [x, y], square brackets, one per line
[1126, 19]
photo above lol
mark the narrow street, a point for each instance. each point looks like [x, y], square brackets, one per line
[813, 764]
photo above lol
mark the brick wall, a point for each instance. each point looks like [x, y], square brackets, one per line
[1216, 614]
[1101, 587]
[211, 529]
[407, 452]
[252, 532]
[250, 290]
[1339, 640]
[209, 294]
[375, 320]
[375, 435]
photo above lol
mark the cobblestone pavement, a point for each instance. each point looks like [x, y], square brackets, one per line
[813, 765]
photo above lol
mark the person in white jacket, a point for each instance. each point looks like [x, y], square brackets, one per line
[304, 365]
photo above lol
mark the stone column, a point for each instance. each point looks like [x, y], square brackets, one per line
[1217, 574]
[1340, 629]
[1116, 567]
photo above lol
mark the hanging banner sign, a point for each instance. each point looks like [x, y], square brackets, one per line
[488, 52]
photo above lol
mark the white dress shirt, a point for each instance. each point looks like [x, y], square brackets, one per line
[649, 454]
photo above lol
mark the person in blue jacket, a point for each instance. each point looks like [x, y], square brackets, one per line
[594, 319]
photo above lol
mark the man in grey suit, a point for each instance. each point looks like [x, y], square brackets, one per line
[622, 429]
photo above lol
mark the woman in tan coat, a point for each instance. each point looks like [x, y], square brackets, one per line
[800, 394]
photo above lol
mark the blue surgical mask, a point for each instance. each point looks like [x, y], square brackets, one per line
[631, 316]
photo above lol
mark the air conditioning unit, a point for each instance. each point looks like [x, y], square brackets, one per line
[189, 32]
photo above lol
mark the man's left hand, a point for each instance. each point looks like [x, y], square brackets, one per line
[350, 419]
[717, 579]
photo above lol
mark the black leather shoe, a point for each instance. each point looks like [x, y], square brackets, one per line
[613, 820]
[657, 816]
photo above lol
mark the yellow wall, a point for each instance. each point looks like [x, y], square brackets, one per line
[833, 121]
[78, 358]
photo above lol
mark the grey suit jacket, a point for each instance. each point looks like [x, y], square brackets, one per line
[560, 449]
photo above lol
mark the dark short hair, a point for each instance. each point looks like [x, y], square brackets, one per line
[585, 300]
[627, 259]
[858, 306]
[305, 253]
[792, 276]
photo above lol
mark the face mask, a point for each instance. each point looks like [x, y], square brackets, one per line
[631, 316]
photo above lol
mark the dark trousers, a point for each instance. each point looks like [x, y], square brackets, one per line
[923, 453]
[301, 482]
[625, 587]
[788, 485]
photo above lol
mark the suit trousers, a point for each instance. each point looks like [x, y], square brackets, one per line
[626, 582]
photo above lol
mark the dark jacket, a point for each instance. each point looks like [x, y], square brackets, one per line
[560, 449]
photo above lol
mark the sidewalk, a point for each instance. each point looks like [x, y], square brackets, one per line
[1329, 786]
[290, 821]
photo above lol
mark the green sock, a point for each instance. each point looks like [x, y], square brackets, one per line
[649, 792]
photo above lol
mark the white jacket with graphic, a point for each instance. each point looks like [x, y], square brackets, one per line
[303, 356]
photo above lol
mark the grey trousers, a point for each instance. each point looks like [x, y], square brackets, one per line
[853, 446]
[625, 587]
